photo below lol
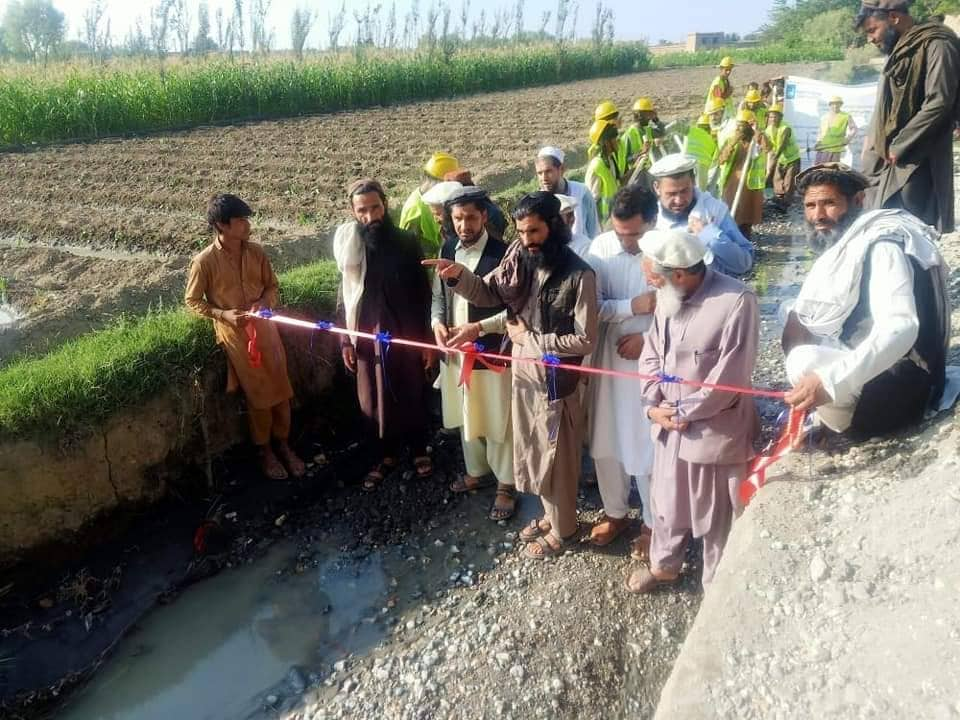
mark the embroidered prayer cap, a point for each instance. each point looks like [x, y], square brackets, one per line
[552, 152]
[567, 202]
[840, 174]
[672, 165]
[673, 249]
[441, 192]
[467, 194]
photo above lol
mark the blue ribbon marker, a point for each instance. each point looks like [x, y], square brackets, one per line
[551, 361]
[665, 378]
[265, 313]
[383, 342]
[324, 325]
[479, 347]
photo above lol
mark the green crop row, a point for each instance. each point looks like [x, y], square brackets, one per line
[85, 380]
[762, 54]
[82, 103]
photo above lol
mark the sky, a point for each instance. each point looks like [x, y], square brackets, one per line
[635, 19]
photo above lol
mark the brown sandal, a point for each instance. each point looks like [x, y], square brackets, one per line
[273, 468]
[640, 546]
[424, 466]
[462, 484]
[608, 530]
[643, 580]
[376, 476]
[535, 529]
[541, 548]
[498, 513]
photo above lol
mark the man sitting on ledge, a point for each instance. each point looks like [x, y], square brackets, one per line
[866, 340]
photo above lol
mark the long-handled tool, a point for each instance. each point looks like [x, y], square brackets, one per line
[743, 177]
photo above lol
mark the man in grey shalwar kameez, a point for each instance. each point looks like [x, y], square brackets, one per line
[551, 294]
[705, 329]
[908, 154]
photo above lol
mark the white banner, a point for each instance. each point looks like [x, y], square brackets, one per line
[805, 102]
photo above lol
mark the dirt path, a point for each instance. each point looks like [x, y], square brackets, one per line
[144, 196]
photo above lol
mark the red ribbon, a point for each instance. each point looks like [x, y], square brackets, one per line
[757, 473]
[470, 357]
[253, 352]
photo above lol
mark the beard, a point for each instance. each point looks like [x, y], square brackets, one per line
[681, 216]
[889, 40]
[377, 232]
[669, 299]
[821, 240]
[545, 259]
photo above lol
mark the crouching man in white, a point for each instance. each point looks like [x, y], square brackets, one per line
[620, 441]
[866, 340]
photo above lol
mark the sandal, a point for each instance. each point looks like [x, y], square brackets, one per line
[292, 461]
[608, 530]
[640, 546]
[501, 513]
[272, 468]
[463, 484]
[542, 548]
[643, 580]
[535, 529]
[378, 474]
[424, 466]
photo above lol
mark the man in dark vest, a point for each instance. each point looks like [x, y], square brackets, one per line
[551, 300]
[480, 406]
[908, 152]
[866, 339]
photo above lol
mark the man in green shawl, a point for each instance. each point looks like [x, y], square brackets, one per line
[908, 154]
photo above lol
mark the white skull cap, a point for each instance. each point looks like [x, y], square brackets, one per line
[553, 152]
[673, 249]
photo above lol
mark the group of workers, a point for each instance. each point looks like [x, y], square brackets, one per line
[654, 302]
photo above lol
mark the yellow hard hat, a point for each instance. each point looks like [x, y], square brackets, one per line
[753, 96]
[715, 105]
[598, 128]
[836, 100]
[703, 119]
[746, 116]
[440, 164]
[727, 62]
[605, 111]
[643, 104]
[776, 108]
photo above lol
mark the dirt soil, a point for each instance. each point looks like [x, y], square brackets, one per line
[89, 230]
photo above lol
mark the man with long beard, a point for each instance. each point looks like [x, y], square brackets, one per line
[908, 153]
[866, 340]
[551, 294]
[384, 289]
[684, 207]
[705, 329]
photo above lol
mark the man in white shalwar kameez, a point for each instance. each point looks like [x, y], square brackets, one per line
[579, 242]
[482, 410]
[619, 429]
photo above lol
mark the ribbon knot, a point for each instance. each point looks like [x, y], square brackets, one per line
[253, 351]
[265, 313]
[665, 378]
[471, 356]
[324, 325]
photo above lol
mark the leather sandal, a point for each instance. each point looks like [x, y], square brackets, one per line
[608, 530]
[378, 474]
[541, 548]
[424, 466]
[644, 580]
[535, 529]
[640, 546]
[468, 483]
[498, 513]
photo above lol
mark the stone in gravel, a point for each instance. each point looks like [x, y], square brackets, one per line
[517, 672]
[339, 666]
[272, 699]
[818, 568]
[502, 658]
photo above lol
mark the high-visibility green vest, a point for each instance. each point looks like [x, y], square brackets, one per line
[622, 156]
[721, 82]
[833, 136]
[417, 218]
[756, 172]
[599, 172]
[791, 153]
[701, 145]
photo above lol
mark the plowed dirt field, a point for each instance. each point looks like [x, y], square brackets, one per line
[90, 230]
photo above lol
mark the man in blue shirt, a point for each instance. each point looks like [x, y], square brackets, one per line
[684, 207]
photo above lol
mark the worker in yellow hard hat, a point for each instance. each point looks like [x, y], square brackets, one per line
[603, 178]
[720, 88]
[715, 110]
[745, 152]
[837, 130]
[783, 163]
[753, 101]
[644, 134]
[416, 215]
[609, 113]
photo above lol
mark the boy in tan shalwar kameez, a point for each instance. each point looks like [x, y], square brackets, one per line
[230, 278]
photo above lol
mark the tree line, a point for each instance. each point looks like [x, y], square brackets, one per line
[36, 31]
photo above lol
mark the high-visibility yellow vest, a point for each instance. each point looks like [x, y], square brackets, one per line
[601, 179]
[417, 218]
[622, 156]
[833, 135]
[721, 82]
[791, 153]
[703, 146]
[634, 140]
[756, 171]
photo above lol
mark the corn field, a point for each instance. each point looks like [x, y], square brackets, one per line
[86, 103]
[763, 54]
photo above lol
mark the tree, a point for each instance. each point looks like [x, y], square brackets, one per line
[181, 22]
[238, 34]
[160, 27]
[97, 39]
[261, 38]
[464, 19]
[390, 33]
[563, 10]
[137, 42]
[518, 20]
[33, 28]
[300, 24]
[203, 43]
[602, 25]
[335, 26]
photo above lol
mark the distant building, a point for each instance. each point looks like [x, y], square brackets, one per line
[701, 41]
[705, 41]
